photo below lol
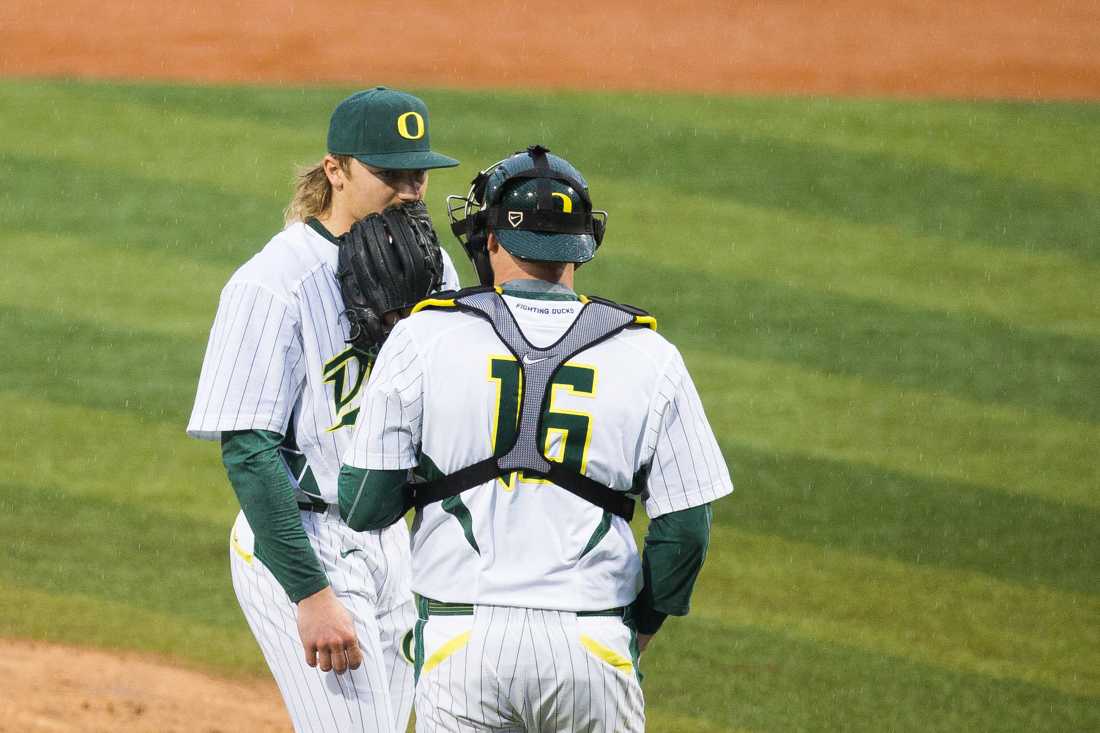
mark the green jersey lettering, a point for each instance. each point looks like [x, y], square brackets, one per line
[336, 373]
[565, 435]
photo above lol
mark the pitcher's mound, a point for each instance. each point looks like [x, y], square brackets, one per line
[58, 688]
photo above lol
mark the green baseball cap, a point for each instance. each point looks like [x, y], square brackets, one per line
[384, 128]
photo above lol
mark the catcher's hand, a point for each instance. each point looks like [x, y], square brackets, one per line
[388, 262]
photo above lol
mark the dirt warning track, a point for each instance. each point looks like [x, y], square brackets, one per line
[912, 48]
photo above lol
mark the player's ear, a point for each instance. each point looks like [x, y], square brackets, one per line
[335, 172]
[493, 243]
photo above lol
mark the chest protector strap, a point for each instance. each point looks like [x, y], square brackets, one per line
[597, 321]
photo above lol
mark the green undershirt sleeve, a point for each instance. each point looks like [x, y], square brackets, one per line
[260, 480]
[370, 498]
[675, 547]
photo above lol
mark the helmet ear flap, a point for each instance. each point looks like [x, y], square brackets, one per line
[599, 226]
[476, 245]
[477, 249]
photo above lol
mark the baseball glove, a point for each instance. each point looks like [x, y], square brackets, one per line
[387, 262]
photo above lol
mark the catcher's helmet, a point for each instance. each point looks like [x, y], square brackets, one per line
[538, 206]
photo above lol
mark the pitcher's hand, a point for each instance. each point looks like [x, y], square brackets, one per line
[328, 633]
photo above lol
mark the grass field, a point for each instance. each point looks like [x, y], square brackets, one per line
[891, 310]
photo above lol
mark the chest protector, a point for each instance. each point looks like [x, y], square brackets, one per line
[598, 320]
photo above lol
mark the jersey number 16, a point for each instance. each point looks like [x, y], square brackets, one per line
[564, 434]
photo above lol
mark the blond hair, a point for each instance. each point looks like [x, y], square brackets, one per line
[313, 191]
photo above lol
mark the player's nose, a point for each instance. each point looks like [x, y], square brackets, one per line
[410, 187]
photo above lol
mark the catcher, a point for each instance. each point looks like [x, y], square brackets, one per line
[294, 337]
[537, 418]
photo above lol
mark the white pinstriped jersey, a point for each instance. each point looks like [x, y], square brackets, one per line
[444, 393]
[277, 358]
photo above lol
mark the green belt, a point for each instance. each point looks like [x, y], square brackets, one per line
[429, 607]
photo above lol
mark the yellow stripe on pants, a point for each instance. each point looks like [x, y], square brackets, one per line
[445, 651]
[610, 656]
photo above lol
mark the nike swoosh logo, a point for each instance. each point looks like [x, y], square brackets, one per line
[528, 360]
[345, 553]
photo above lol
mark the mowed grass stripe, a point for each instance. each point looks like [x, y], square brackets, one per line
[139, 209]
[93, 284]
[953, 619]
[1044, 142]
[72, 617]
[156, 138]
[971, 357]
[658, 720]
[149, 558]
[114, 456]
[280, 105]
[211, 155]
[782, 409]
[913, 519]
[1047, 291]
[135, 209]
[912, 197]
[1031, 141]
[97, 365]
[770, 680]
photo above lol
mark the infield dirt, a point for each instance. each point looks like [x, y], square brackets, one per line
[49, 687]
[932, 48]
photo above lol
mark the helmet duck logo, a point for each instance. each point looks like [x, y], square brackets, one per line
[515, 218]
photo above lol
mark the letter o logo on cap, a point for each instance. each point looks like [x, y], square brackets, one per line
[403, 126]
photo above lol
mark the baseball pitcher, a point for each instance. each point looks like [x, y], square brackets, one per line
[287, 358]
[533, 420]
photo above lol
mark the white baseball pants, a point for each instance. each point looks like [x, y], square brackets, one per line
[524, 670]
[368, 572]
